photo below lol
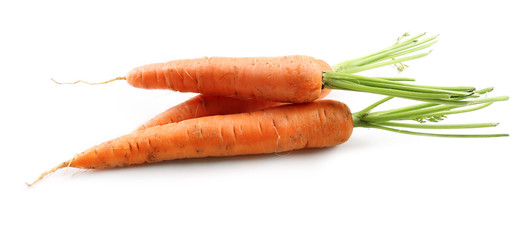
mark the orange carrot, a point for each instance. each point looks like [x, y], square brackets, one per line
[282, 79]
[283, 128]
[205, 105]
[278, 129]
[293, 79]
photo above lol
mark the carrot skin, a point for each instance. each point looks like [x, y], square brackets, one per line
[294, 79]
[277, 129]
[205, 105]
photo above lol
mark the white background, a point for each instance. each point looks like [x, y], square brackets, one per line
[378, 185]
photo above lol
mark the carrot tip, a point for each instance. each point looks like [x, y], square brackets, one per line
[43, 175]
[89, 83]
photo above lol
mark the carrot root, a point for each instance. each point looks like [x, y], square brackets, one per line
[90, 83]
[43, 175]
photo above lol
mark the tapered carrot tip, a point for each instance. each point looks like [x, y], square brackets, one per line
[43, 175]
[90, 83]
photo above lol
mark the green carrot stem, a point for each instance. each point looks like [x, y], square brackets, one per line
[399, 79]
[388, 80]
[389, 54]
[436, 98]
[355, 62]
[385, 63]
[347, 85]
[372, 106]
[485, 90]
[426, 111]
[461, 110]
[369, 125]
[383, 83]
[404, 109]
[437, 126]
[407, 115]
[456, 102]
[424, 46]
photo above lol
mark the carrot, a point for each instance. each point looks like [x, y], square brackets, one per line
[278, 129]
[282, 79]
[293, 79]
[288, 127]
[205, 105]
[281, 127]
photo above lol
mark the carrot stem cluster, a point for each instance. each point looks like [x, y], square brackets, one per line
[438, 101]
[427, 114]
[343, 76]
[352, 82]
[395, 54]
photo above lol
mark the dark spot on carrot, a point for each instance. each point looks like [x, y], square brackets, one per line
[151, 157]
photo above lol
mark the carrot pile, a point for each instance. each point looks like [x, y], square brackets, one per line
[273, 104]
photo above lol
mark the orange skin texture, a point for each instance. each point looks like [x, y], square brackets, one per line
[205, 105]
[283, 128]
[293, 79]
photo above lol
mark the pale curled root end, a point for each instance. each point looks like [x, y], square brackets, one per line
[90, 83]
[43, 175]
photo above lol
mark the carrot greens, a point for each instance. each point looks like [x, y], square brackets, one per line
[427, 115]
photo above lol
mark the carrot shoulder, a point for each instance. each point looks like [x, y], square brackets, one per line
[277, 129]
[282, 79]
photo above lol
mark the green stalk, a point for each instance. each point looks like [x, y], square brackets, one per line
[456, 102]
[410, 93]
[404, 109]
[437, 126]
[422, 105]
[383, 83]
[409, 115]
[367, 110]
[435, 134]
[399, 46]
[399, 79]
[392, 53]
[349, 85]
[361, 68]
